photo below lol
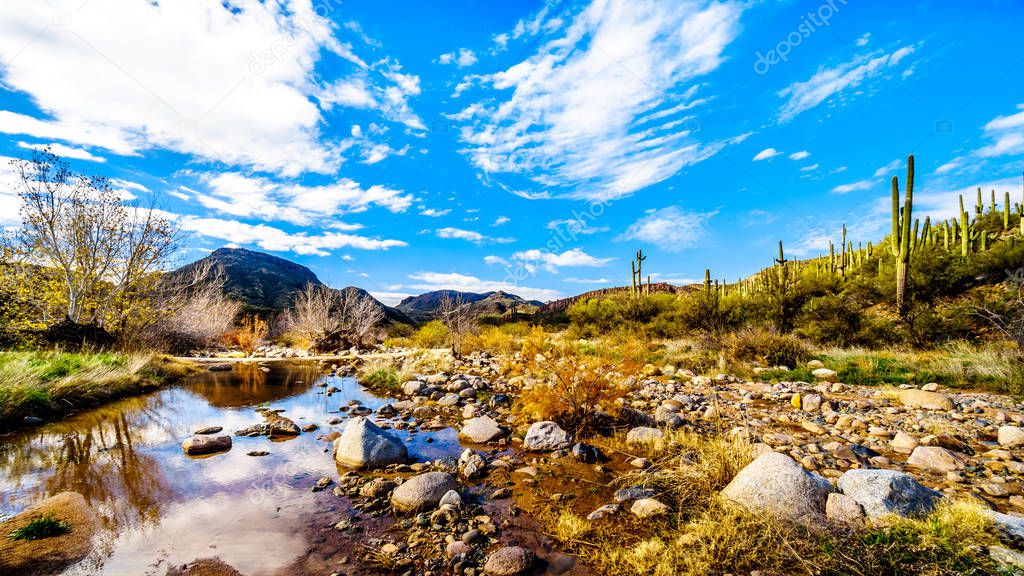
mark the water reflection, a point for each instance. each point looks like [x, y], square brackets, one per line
[159, 506]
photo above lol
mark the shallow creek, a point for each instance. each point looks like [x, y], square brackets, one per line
[160, 508]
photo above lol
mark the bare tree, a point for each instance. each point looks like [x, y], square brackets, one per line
[1007, 317]
[103, 251]
[332, 318]
[454, 313]
[312, 317]
[193, 310]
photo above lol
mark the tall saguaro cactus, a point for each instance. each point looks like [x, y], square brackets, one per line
[901, 243]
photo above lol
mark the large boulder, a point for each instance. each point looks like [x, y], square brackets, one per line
[882, 492]
[546, 436]
[481, 430]
[49, 555]
[509, 561]
[913, 398]
[205, 444]
[422, 492]
[936, 459]
[366, 445]
[644, 435]
[1011, 436]
[775, 483]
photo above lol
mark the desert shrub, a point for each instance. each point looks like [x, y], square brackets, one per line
[768, 347]
[594, 316]
[573, 386]
[248, 335]
[433, 334]
[832, 320]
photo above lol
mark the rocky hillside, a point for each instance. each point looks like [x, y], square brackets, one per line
[423, 308]
[556, 307]
[268, 284]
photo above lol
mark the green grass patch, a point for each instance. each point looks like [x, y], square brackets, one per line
[39, 383]
[383, 379]
[40, 527]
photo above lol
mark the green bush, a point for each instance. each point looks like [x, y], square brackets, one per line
[433, 334]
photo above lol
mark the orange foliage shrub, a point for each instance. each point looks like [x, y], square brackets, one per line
[573, 385]
[248, 335]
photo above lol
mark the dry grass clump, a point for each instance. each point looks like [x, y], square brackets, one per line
[41, 383]
[707, 536]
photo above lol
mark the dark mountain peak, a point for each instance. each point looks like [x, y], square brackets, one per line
[424, 307]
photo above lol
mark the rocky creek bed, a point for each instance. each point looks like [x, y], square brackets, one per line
[294, 468]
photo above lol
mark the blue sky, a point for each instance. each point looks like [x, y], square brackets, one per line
[528, 146]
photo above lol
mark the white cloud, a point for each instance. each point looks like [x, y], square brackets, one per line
[495, 260]
[853, 187]
[889, 168]
[1008, 133]
[253, 197]
[766, 154]
[277, 240]
[462, 58]
[799, 155]
[810, 168]
[64, 151]
[671, 228]
[532, 260]
[863, 40]
[390, 298]
[829, 82]
[469, 235]
[429, 281]
[588, 280]
[231, 83]
[601, 110]
[948, 166]
[501, 220]
[434, 212]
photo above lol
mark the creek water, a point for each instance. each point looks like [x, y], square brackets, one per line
[159, 507]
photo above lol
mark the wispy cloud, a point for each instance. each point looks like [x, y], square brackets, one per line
[471, 236]
[766, 154]
[462, 58]
[829, 82]
[799, 155]
[853, 187]
[1008, 133]
[602, 111]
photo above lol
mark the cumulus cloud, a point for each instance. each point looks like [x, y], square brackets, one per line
[277, 240]
[671, 229]
[238, 87]
[535, 259]
[254, 197]
[799, 155]
[603, 109]
[462, 58]
[828, 82]
[434, 212]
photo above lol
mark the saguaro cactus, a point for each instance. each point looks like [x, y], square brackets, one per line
[1006, 210]
[901, 243]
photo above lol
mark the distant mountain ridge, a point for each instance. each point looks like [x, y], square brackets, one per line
[423, 308]
[269, 284]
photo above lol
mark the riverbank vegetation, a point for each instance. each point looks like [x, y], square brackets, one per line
[45, 383]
